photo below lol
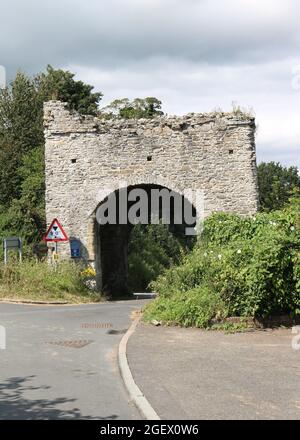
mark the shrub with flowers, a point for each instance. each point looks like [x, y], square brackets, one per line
[88, 272]
[240, 267]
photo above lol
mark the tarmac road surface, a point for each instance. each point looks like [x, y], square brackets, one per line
[60, 362]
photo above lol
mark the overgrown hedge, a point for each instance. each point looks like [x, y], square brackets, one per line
[152, 249]
[240, 267]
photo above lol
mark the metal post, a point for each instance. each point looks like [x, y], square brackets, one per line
[55, 255]
[20, 251]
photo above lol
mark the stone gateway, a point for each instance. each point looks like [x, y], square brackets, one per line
[86, 158]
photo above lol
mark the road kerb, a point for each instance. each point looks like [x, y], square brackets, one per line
[135, 393]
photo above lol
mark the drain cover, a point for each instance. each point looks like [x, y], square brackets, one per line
[116, 332]
[73, 344]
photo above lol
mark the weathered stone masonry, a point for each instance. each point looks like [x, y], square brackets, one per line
[84, 155]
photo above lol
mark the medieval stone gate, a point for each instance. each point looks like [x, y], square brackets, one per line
[87, 158]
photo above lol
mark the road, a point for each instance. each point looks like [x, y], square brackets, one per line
[60, 362]
[253, 375]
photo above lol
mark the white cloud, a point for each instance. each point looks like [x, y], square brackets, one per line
[116, 32]
[195, 55]
[185, 87]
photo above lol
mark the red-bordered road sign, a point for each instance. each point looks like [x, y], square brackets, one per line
[55, 232]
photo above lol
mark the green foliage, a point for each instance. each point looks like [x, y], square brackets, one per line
[195, 307]
[152, 249]
[21, 129]
[251, 265]
[25, 215]
[61, 85]
[232, 327]
[31, 280]
[276, 183]
[22, 181]
[136, 109]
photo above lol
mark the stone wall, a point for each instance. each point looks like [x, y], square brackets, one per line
[87, 157]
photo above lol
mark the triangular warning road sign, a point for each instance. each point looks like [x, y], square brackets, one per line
[55, 232]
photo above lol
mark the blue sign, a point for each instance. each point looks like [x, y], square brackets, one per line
[75, 253]
[75, 248]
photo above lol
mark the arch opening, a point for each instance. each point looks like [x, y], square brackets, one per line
[117, 216]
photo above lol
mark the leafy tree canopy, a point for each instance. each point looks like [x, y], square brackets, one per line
[276, 185]
[22, 177]
[61, 85]
[135, 109]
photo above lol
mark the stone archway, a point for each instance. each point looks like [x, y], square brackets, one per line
[110, 241]
[87, 158]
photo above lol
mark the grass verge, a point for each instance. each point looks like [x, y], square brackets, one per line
[39, 281]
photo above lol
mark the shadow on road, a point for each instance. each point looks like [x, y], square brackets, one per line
[15, 406]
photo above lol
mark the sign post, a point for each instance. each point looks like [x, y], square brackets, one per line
[55, 233]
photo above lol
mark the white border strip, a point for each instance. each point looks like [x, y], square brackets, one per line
[135, 393]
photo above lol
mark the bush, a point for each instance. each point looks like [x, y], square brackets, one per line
[195, 307]
[247, 266]
[152, 249]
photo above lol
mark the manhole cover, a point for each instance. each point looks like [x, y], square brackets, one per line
[116, 332]
[73, 344]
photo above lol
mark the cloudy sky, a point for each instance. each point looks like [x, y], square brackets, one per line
[194, 55]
